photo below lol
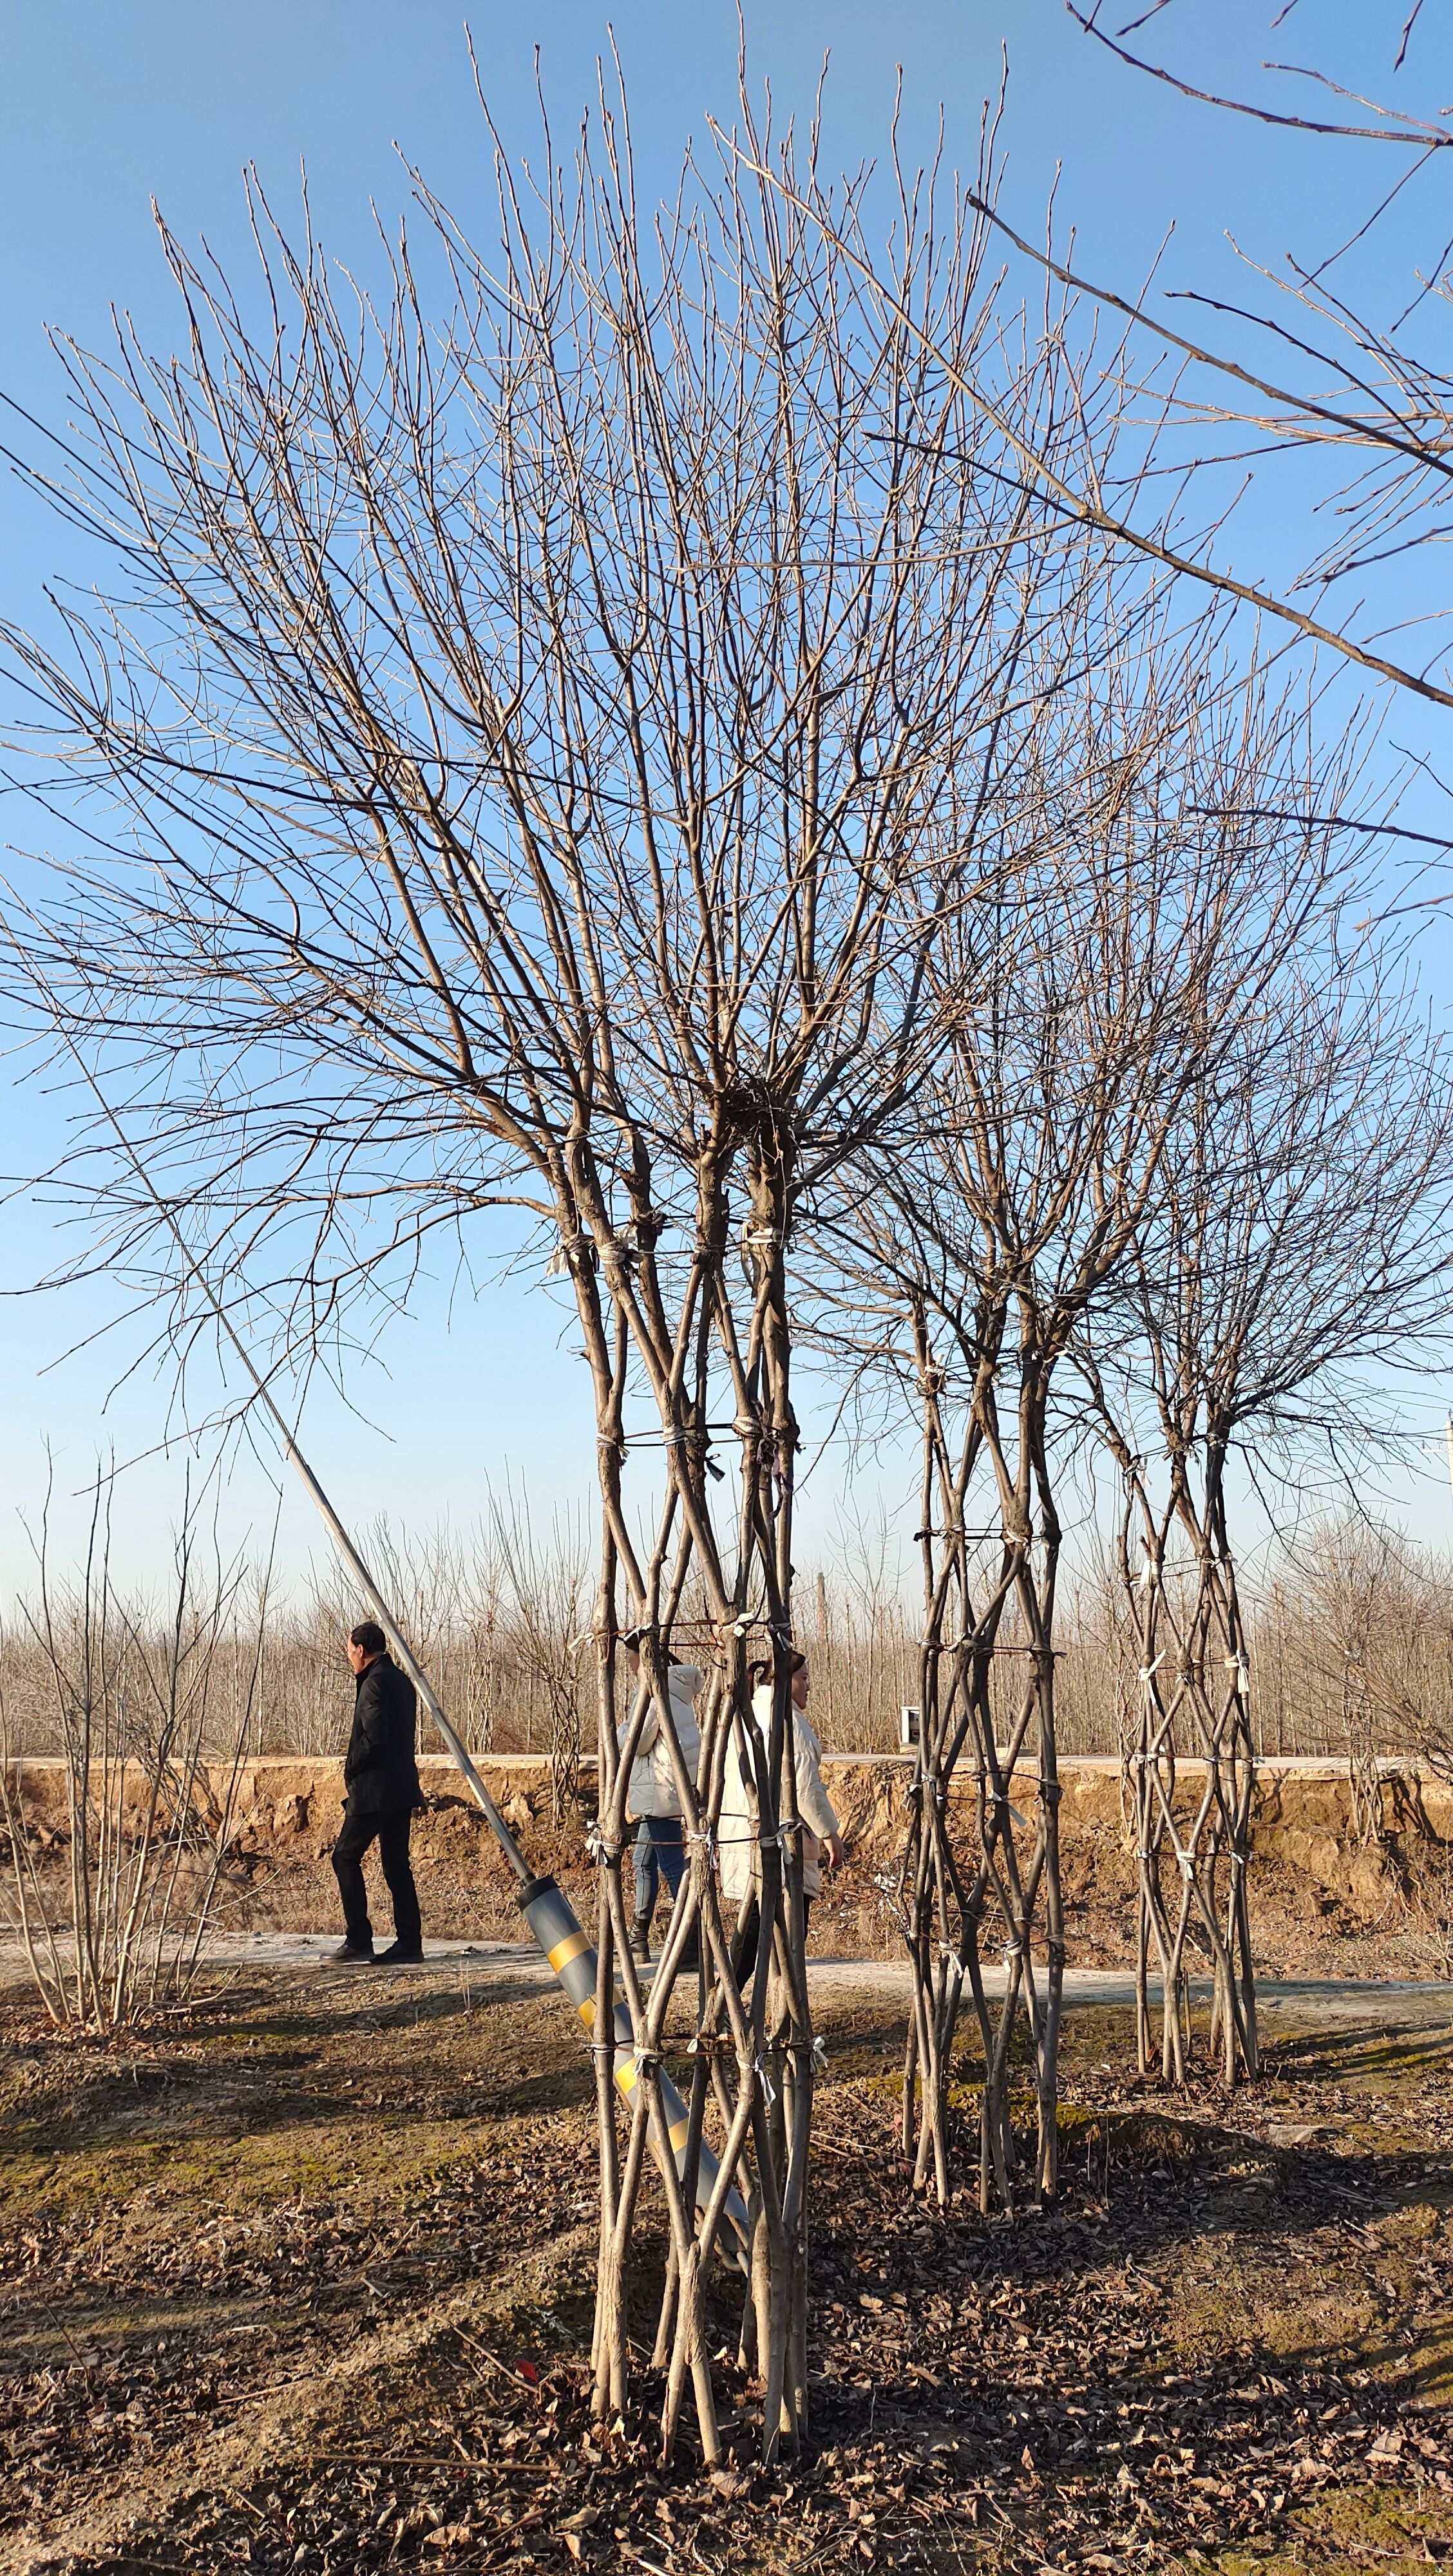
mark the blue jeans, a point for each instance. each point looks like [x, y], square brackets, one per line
[659, 1853]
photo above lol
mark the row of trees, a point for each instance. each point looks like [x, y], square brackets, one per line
[642, 761]
[508, 1639]
[1349, 1637]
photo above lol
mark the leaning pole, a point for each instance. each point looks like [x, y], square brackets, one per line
[543, 1902]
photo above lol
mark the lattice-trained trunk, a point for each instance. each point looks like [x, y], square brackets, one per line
[1190, 1701]
[745, 2123]
[941, 1891]
[1006, 1885]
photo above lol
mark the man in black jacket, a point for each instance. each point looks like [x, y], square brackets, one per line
[381, 1778]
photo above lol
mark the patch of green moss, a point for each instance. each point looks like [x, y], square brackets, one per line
[1420, 2215]
[248, 2170]
[1247, 2562]
[1346, 2529]
[1228, 2295]
[1427, 2364]
[1385, 2523]
[380, 2154]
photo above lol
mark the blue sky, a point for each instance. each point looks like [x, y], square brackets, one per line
[106, 106]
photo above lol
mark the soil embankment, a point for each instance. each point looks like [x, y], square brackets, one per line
[1325, 1904]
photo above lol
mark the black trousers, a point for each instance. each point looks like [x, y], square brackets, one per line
[392, 1832]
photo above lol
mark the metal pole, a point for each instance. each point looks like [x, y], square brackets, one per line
[568, 1950]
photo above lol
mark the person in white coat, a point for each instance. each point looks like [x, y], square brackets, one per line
[737, 1842]
[653, 1801]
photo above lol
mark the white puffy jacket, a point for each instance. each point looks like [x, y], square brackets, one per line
[653, 1781]
[737, 1832]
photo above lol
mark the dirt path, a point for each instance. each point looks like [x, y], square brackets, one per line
[1303, 2003]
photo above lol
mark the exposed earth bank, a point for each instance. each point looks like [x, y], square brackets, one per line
[1324, 1903]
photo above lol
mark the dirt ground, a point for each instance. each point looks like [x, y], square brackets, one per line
[302, 2281]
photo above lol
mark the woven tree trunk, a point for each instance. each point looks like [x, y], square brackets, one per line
[1190, 1704]
[993, 1894]
[1292, 1234]
[1003, 1248]
[724, 1594]
[944, 1889]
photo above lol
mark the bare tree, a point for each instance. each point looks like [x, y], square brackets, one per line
[1298, 1230]
[150, 1774]
[1359, 1600]
[528, 749]
[547, 1590]
[1362, 1616]
[1119, 911]
[1353, 386]
[1355, 373]
[1402, 1641]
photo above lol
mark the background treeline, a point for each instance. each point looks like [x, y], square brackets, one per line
[1352, 1637]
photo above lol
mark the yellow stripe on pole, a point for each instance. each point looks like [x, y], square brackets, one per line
[586, 2010]
[568, 1949]
[678, 2135]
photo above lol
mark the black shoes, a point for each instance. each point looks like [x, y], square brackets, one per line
[641, 1945]
[350, 1956]
[401, 1954]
